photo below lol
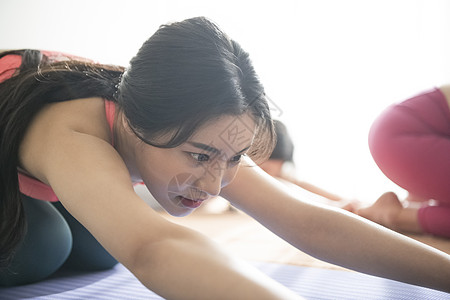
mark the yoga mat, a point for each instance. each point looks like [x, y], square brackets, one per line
[311, 283]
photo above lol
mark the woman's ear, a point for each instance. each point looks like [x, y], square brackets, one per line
[124, 123]
[127, 134]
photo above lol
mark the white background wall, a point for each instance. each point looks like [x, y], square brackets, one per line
[331, 66]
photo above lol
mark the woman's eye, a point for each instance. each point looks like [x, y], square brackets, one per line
[200, 156]
[236, 159]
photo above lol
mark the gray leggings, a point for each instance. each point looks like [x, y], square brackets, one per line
[54, 240]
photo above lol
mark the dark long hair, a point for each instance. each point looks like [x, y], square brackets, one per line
[185, 75]
[284, 148]
[38, 82]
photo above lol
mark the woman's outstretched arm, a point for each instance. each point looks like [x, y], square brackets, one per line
[93, 184]
[337, 236]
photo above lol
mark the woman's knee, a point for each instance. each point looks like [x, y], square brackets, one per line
[87, 253]
[45, 247]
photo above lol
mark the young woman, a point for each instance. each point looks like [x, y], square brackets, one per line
[185, 118]
[410, 142]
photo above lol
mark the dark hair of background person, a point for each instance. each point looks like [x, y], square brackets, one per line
[284, 148]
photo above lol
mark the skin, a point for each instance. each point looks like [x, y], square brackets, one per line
[398, 215]
[68, 146]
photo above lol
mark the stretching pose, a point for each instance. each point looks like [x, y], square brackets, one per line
[410, 142]
[188, 117]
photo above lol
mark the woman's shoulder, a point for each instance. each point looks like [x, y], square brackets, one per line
[85, 115]
[58, 121]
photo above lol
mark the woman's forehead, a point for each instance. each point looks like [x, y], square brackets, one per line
[233, 132]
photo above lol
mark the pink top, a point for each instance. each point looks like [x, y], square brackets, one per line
[8, 66]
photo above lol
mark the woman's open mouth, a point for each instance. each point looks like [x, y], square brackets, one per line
[189, 203]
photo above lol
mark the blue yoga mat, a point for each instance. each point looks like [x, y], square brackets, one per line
[311, 283]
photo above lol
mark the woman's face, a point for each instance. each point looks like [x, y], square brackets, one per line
[181, 178]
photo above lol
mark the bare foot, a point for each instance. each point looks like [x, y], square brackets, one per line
[384, 211]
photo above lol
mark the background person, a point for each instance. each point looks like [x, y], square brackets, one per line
[410, 142]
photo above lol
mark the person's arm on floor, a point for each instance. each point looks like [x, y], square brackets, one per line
[337, 236]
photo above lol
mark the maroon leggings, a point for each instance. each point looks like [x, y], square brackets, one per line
[410, 142]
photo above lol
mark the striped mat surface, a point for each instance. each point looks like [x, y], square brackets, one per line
[311, 283]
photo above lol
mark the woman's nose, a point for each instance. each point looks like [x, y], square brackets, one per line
[211, 181]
